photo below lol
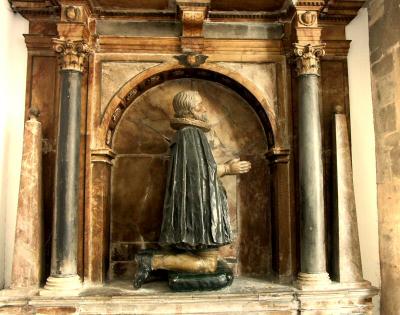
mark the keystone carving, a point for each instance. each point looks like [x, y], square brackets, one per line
[191, 60]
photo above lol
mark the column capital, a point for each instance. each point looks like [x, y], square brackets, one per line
[307, 58]
[73, 53]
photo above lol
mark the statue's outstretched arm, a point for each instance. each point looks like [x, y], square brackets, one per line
[233, 167]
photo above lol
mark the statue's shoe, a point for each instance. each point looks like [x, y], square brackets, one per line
[143, 270]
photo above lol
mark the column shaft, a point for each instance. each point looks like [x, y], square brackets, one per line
[64, 250]
[313, 256]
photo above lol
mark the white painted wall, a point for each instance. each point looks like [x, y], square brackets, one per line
[363, 147]
[13, 59]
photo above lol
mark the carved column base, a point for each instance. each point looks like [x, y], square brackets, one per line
[62, 286]
[307, 281]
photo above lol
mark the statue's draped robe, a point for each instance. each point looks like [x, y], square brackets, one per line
[195, 206]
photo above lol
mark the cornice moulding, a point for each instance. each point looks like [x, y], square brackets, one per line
[336, 10]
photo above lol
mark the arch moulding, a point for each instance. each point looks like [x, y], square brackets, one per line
[170, 71]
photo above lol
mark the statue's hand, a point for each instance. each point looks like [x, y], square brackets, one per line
[235, 167]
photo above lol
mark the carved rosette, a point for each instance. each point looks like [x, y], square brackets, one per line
[73, 54]
[307, 58]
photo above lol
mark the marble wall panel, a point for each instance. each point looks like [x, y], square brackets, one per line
[115, 74]
[142, 28]
[139, 174]
[242, 30]
[263, 75]
[137, 198]
[255, 250]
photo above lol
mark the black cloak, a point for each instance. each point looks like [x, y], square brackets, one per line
[195, 206]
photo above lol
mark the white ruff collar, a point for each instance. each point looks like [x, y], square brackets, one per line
[178, 123]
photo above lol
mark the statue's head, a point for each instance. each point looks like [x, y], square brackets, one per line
[188, 104]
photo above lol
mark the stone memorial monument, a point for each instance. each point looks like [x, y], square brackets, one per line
[126, 197]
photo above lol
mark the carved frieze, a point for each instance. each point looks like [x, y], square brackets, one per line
[73, 54]
[307, 58]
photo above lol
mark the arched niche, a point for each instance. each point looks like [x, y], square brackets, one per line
[140, 138]
[152, 77]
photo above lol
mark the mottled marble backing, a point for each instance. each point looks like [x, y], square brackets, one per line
[263, 75]
[115, 74]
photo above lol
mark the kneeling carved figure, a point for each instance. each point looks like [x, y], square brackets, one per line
[195, 217]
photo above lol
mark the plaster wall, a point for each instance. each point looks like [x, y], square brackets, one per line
[384, 44]
[13, 56]
[363, 147]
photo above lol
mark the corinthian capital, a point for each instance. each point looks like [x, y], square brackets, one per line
[72, 53]
[307, 58]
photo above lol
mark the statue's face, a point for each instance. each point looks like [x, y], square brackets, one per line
[199, 110]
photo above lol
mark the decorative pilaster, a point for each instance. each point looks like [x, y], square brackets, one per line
[312, 230]
[73, 49]
[97, 225]
[282, 218]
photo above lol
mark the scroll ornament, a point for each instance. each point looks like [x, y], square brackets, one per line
[73, 54]
[307, 58]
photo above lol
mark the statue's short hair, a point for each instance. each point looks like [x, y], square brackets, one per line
[184, 102]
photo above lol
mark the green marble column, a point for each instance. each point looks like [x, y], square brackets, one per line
[312, 226]
[64, 279]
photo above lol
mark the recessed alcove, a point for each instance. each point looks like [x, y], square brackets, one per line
[141, 143]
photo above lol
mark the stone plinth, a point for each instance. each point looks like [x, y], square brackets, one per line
[245, 296]
[338, 299]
